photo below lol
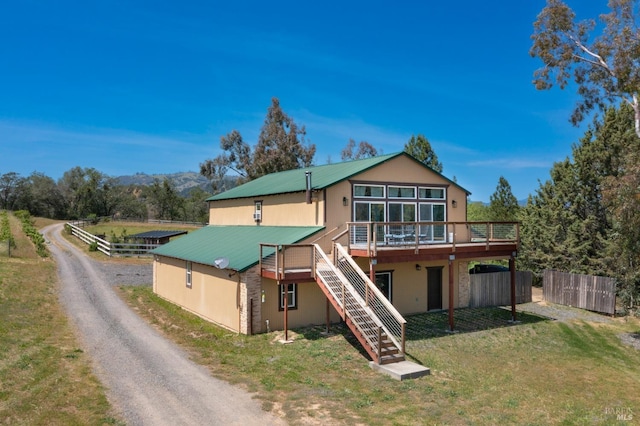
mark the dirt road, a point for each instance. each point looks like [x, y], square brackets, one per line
[149, 380]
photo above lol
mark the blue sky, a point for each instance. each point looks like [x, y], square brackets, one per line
[133, 86]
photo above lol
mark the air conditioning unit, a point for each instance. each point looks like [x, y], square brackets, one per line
[257, 216]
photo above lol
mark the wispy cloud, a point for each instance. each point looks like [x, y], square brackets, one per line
[512, 163]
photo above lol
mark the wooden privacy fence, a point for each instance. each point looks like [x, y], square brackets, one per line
[111, 249]
[494, 289]
[589, 292]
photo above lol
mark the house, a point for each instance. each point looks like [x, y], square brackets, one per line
[365, 241]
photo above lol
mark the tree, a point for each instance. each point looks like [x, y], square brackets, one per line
[365, 150]
[503, 205]
[420, 148]
[280, 147]
[9, 189]
[477, 212]
[163, 197]
[43, 198]
[585, 219]
[605, 68]
[87, 191]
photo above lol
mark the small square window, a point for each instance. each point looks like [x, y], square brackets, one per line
[291, 293]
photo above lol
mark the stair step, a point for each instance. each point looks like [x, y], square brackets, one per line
[391, 359]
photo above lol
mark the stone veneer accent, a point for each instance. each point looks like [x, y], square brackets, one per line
[250, 288]
[464, 286]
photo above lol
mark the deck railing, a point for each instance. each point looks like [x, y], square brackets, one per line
[375, 235]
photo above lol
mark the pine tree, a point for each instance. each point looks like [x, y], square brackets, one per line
[420, 148]
[503, 205]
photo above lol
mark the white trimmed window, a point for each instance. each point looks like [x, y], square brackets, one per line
[188, 274]
[432, 193]
[368, 191]
[291, 293]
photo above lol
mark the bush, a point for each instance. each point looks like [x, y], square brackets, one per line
[30, 231]
[93, 246]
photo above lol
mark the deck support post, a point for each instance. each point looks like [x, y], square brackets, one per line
[328, 314]
[452, 257]
[372, 277]
[286, 312]
[512, 270]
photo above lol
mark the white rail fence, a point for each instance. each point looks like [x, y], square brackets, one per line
[111, 249]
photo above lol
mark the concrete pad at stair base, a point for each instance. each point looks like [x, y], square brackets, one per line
[401, 370]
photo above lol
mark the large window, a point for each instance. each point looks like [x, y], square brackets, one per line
[432, 212]
[291, 294]
[369, 212]
[402, 212]
[402, 191]
[368, 191]
[432, 193]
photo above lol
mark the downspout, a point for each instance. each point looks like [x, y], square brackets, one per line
[307, 176]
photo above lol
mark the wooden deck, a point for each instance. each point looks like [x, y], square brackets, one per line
[394, 242]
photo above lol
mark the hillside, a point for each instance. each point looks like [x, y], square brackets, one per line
[184, 181]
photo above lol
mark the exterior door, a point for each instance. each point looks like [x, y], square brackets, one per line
[434, 288]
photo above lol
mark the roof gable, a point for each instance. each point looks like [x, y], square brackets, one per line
[322, 177]
[239, 244]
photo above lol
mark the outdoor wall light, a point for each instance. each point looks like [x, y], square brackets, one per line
[345, 201]
[418, 267]
[454, 203]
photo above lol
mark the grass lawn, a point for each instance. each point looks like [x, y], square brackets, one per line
[45, 378]
[536, 372]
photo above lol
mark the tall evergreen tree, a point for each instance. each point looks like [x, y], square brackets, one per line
[503, 205]
[578, 221]
[420, 148]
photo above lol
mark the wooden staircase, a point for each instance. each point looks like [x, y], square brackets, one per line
[340, 285]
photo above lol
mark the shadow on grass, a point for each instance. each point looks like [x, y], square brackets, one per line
[466, 320]
[435, 324]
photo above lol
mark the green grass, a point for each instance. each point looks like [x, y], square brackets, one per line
[45, 377]
[536, 372]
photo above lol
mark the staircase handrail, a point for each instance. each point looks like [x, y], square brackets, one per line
[392, 321]
[351, 291]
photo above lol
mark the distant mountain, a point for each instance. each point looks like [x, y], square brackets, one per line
[184, 181]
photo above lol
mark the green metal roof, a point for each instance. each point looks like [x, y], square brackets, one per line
[322, 177]
[239, 244]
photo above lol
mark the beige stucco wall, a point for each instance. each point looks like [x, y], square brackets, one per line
[311, 307]
[277, 210]
[409, 286]
[213, 295]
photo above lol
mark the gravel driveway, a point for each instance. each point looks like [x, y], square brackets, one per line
[149, 380]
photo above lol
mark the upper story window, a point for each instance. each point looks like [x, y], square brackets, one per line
[257, 211]
[371, 191]
[432, 193]
[402, 191]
